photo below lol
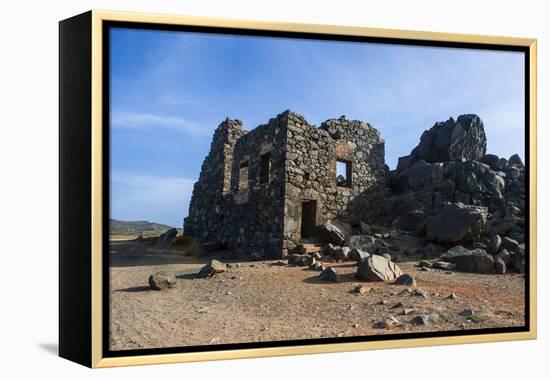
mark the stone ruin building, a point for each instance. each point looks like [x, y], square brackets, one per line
[266, 190]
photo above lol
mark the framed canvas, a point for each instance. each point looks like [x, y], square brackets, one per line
[234, 189]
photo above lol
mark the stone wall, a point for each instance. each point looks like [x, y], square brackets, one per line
[262, 215]
[312, 155]
[249, 218]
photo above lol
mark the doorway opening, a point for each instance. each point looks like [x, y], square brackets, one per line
[309, 215]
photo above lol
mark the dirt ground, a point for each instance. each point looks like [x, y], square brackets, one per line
[256, 301]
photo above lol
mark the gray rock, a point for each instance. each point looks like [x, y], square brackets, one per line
[515, 160]
[166, 238]
[330, 275]
[301, 260]
[317, 266]
[456, 223]
[405, 279]
[377, 268]
[162, 280]
[453, 140]
[358, 254]
[425, 319]
[472, 261]
[499, 266]
[212, 268]
[443, 265]
[505, 256]
[421, 293]
[365, 228]
[424, 263]
[335, 231]
[343, 253]
[510, 244]
[360, 289]
[389, 322]
[501, 225]
[494, 244]
[362, 242]
[492, 161]
[466, 312]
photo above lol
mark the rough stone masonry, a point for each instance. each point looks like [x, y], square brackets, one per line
[264, 191]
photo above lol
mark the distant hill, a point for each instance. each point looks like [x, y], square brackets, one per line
[120, 227]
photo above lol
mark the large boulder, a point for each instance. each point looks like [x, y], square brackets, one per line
[456, 223]
[453, 140]
[335, 231]
[475, 178]
[166, 238]
[377, 268]
[471, 261]
[162, 280]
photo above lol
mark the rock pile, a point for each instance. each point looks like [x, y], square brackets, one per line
[447, 193]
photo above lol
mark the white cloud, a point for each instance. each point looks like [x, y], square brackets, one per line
[150, 121]
[162, 199]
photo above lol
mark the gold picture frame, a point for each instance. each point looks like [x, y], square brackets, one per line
[89, 268]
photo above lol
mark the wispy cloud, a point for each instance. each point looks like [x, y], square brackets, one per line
[162, 199]
[150, 121]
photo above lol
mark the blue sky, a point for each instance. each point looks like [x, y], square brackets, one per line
[169, 91]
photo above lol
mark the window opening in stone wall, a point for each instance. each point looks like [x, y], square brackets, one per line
[243, 176]
[343, 173]
[265, 168]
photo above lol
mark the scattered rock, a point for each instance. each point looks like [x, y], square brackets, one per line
[405, 279]
[407, 311]
[510, 244]
[389, 322]
[330, 275]
[499, 266]
[278, 263]
[343, 253]
[335, 231]
[362, 242]
[212, 268]
[472, 261]
[360, 289]
[425, 319]
[421, 293]
[466, 312]
[162, 280]
[358, 254]
[377, 268]
[317, 266]
[425, 263]
[301, 260]
[452, 296]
